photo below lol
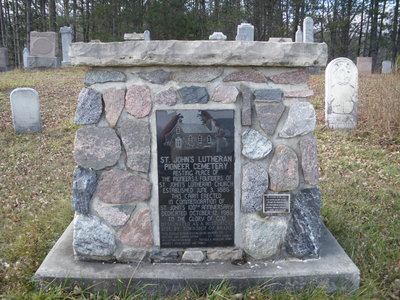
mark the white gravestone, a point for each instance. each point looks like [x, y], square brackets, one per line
[364, 65]
[341, 94]
[25, 108]
[299, 35]
[386, 67]
[25, 54]
[245, 32]
[217, 36]
[146, 35]
[308, 30]
[66, 40]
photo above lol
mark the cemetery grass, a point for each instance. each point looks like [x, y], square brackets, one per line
[360, 180]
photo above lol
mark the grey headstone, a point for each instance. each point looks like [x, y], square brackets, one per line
[92, 237]
[3, 59]
[245, 32]
[194, 94]
[217, 36]
[386, 67]
[268, 95]
[364, 65]
[25, 54]
[308, 30]
[89, 107]
[102, 76]
[299, 35]
[25, 108]
[304, 235]
[146, 35]
[341, 94]
[44, 44]
[83, 187]
[66, 40]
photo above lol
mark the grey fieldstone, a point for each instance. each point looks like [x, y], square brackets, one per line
[129, 255]
[247, 99]
[101, 76]
[96, 148]
[92, 237]
[114, 215]
[292, 77]
[299, 94]
[83, 187]
[254, 185]
[167, 97]
[136, 139]
[246, 75]
[193, 256]
[138, 101]
[268, 95]
[300, 121]
[89, 107]
[158, 76]
[268, 115]
[165, 256]
[225, 94]
[138, 232]
[114, 102]
[255, 145]
[118, 187]
[304, 234]
[232, 255]
[309, 160]
[263, 237]
[194, 94]
[283, 170]
[197, 74]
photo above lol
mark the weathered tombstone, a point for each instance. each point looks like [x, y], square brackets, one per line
[217, 36]
[386, 67]
[134, 36]
[43, 50]
[299, 35]
[308, 30]
[25, 54]
[3, 59]
[25, 108]
[146, 35]
[364, 65]
[66, 40]
[341, 94]
[245, 32]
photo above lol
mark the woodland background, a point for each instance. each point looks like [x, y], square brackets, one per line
[351, 28]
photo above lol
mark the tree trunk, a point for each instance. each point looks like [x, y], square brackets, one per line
[394, 32]
[52, 16]
[28, 13]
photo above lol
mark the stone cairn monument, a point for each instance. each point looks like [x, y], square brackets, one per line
[44, 52]
[191, 163]
[341, 94]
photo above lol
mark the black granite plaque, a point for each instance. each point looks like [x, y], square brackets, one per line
[195, 152]
[276, 203]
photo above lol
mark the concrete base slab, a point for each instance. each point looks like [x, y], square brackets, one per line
[36, 62]
[334, 271]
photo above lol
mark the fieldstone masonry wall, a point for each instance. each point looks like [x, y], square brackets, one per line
[115, 190]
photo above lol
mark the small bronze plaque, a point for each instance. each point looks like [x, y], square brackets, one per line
[276, 203]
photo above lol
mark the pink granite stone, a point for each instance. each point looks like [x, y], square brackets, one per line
[167, 97]
[246, 75]
[299, 94]
[117, 186]
[225, 94]
[283, 170]
[114, 101]
[294, 77]
[225, 254]
[138, 101]
[309, 160]
[138, 232]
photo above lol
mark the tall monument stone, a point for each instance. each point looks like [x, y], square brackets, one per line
[308, 30]
[66, 40]
[341, 94]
